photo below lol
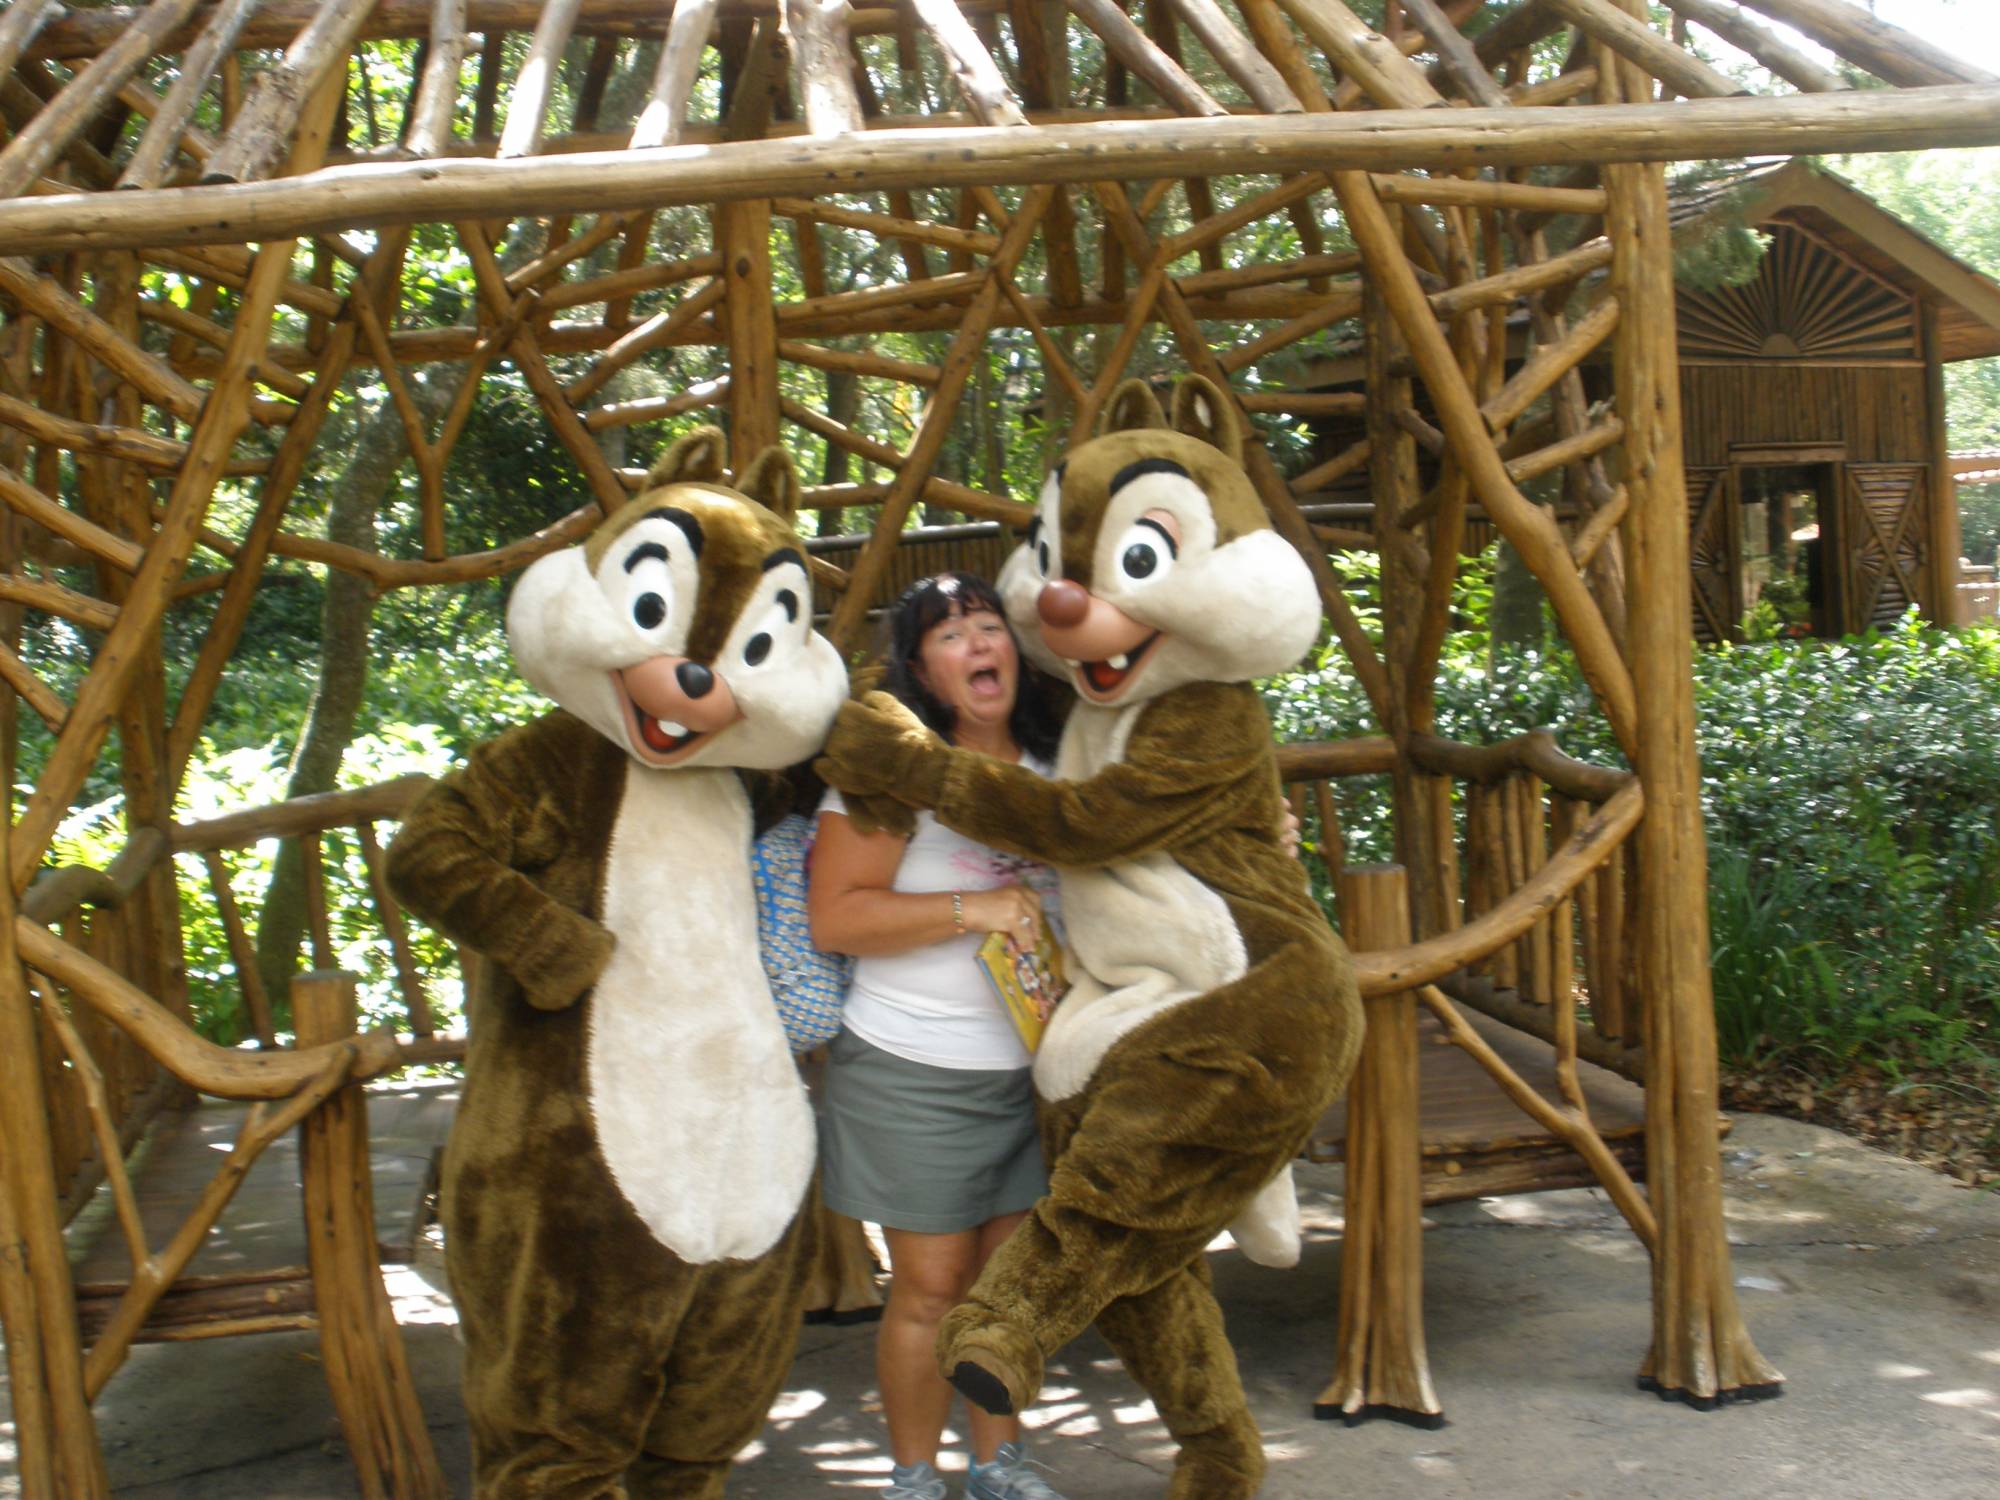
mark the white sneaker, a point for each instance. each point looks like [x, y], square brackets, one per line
[917, 1482]
[1011, 1476]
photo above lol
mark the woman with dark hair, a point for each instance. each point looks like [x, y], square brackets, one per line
[929, 1123]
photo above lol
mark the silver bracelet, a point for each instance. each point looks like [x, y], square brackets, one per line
[958, 912]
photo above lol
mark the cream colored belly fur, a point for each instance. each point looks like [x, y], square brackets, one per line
[1146, 936]
[699, 1110]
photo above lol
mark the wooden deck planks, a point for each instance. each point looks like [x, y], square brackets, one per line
[260, 1236]
[1475, 1141]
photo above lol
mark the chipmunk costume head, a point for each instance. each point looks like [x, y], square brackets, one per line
[624, 1192]
[1213, 1015]
[1146, 544]
[682, 630]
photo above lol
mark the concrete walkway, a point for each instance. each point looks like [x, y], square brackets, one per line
[1873, 1284]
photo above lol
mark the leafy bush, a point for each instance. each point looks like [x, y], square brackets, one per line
[254, 776]
[1852, 793]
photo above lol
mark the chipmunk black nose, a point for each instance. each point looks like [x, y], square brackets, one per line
[695, 679]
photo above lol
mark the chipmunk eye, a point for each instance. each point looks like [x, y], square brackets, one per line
[1146, 551]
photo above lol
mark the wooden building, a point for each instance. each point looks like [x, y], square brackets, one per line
[1813, 398]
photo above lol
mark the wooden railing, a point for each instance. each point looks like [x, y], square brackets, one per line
[108, 1052]
[1534, 884]
[1526, 870]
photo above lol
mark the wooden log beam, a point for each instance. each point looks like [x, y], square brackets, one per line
[56, 1431]
[858, 362]
[1770, 51]
[888, 226]
[1136, 50]
[1476, 192]
[360, 1345]
[1239, 57]
[1889, 52]
[262, 129]
[868, 569]
[821, 52]
[1381, 140]
[1491, 931]
[1701, 1348]
[100, 438]
[155, 151]
[43, 296]
[24, 499]
[41, 140]
[535, 81]
[18, 25]
[437, 92]
[972, 66]
[658, 408]
[664, 114]
[1636, 41]
[1533, 531]
[1549, 364]
[1456, 58]
[1370, 61]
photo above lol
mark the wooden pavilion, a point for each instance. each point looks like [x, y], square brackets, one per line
[200, 241]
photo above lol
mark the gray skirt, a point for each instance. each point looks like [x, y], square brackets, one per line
[933, 1150]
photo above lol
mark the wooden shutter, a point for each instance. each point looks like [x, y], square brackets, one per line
[1712, 558]
[1888, 541]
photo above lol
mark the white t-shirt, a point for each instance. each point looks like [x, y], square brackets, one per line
[933, 1004]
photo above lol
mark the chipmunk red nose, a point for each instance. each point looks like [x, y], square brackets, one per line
[1062, 603]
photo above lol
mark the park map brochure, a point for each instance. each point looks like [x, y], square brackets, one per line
[1027, 983]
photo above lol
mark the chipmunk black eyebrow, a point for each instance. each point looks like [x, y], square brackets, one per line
[642, 552]
[784, 555]
[1141, 469]
[682, 519]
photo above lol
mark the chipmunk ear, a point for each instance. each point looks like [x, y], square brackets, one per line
[1133, 405]
[772, 480]
[701, 455]
[1202, 411]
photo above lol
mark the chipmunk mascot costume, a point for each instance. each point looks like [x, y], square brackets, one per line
[1213, 1015]
[625, 1188]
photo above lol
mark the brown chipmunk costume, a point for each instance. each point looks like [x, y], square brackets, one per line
[625, 1186]
[1214, 1014]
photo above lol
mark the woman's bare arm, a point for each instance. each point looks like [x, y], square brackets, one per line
[853, 910]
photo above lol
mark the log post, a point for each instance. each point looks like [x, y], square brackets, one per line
[59, 1456]
[359, 1342]
[1382, 1369]
[1701, 1351]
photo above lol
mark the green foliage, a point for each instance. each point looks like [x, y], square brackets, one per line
[1852, 794]
[254, 775]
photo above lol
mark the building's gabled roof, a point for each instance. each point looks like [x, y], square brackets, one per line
[1804, 192]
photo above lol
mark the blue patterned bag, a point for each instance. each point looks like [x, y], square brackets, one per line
[808, 985]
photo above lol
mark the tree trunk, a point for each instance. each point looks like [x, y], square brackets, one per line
[1516, 621]
[378, 451]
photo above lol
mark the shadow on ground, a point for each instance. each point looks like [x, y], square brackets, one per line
[1873, 1284]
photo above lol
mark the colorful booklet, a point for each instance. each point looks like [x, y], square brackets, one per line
[1029, 983]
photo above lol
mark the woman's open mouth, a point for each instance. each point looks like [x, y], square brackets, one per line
[985, 682]
[1104, 678]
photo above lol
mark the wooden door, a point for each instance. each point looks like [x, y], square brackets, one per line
[1885, 514]
[1713, 556]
